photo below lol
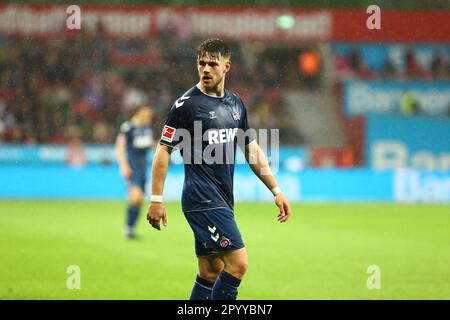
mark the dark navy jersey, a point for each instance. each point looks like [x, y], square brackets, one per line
[138, 141]
[209, 153]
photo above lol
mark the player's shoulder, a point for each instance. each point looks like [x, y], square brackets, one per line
[186, 103]
[187, 99]
[234, 98]
[125, 127]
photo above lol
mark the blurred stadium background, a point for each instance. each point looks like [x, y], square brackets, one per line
[364, 119]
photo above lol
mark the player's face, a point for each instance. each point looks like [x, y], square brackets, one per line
[145, 116]
[212, 70]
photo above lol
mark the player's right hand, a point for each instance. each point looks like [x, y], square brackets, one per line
[283, 206]
[125, 171]
[156, 213]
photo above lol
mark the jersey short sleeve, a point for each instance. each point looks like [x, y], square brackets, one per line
[178, 119]
[249, 133]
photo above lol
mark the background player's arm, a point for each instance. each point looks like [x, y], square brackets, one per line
[121, 146]
[156, 210]
[260, 166]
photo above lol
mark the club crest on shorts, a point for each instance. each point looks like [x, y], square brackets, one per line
[224, 242]
[235, 115]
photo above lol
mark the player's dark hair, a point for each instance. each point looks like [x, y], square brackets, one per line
[215, 48]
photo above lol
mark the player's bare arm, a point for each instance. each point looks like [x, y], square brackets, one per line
[156, 211]
[260, 166]
[121, 144]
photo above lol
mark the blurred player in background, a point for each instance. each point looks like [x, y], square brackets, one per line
[207, 200]
[132, 145]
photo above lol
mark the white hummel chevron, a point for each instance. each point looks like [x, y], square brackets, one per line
[215, 238]
[180, 101]
[178, 104]
[212, 230]
[183, 97]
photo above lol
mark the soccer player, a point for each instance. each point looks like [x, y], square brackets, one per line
[207, 199]
[132, 145]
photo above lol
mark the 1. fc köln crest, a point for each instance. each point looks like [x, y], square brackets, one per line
[235, 115]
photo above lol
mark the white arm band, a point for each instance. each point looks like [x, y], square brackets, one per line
[275, 191]
[154, 198]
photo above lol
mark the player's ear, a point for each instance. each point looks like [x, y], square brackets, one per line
[227, 66]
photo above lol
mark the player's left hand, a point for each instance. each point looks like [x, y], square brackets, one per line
[283, 205]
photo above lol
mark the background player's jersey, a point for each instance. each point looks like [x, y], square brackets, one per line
[139, 140]
[207, 185]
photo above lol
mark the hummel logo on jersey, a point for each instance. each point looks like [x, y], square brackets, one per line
[168, 133]
[212, 115]
[180, 101]
[221, 135]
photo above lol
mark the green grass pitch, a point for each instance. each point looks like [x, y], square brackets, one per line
[323, 252]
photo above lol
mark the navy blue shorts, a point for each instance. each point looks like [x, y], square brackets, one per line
[215, 231]
[137, 180]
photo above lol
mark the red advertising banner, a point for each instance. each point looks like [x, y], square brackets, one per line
[405, 26]
[241, 23]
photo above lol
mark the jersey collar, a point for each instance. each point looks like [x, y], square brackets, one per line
[214, 97]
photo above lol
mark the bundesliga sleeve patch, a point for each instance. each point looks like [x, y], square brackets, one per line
[168, 133]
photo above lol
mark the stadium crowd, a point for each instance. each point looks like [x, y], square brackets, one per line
[82, 86]
[402, 62]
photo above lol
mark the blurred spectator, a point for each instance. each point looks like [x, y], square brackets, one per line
[342, 66]
[439, 68]
[133, 97]
[355, 60]
[93, 82]
[101, 132]
[391, 62]
[389, 71]
[76, 156]
[413, 69]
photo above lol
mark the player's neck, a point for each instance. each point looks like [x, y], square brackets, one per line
[216, 92]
